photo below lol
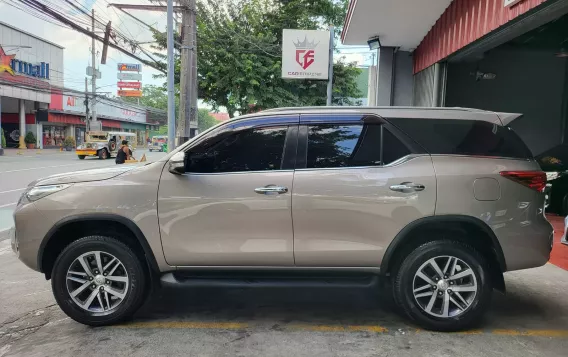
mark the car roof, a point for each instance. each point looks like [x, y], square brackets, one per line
[455, 113]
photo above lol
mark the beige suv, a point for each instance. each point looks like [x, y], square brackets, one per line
[440, 202]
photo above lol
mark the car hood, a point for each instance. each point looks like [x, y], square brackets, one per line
[84, 175]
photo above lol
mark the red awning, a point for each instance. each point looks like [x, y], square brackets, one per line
[110, 123]
[64, 119]
[14, 118]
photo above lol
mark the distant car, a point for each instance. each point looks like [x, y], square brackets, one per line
[157, 143]
[440, 201]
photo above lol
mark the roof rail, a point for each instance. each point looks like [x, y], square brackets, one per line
[275, 110]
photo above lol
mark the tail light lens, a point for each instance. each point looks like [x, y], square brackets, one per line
[532, 179]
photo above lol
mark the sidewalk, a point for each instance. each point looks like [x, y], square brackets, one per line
[34, 152]
[559, 255]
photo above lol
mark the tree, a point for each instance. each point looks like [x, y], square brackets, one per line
[239, 54]
[205, 120]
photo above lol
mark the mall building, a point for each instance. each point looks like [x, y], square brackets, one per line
[499, 55]
[33, 97]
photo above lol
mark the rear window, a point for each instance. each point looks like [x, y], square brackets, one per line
[464, 137]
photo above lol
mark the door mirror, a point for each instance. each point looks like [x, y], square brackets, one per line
[176, 165]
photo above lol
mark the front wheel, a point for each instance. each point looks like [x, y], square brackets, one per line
[98, 281]
[443, 286]
[103, 154]
[81, 157]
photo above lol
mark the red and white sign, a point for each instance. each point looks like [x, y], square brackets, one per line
[135, 85]
[305, 54]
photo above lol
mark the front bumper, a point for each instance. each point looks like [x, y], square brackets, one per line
[86, 152]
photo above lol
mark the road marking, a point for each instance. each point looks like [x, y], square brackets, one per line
[18, 189]
[186, 324]
[38, 168]
[9, 204]
[336, 328]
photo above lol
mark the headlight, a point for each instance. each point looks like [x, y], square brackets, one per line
[37, 192]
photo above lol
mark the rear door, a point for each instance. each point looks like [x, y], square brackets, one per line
[358, 182]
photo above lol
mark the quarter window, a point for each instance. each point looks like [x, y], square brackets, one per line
[248, 150]
[332, 146]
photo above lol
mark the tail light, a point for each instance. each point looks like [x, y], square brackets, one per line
[532, 179]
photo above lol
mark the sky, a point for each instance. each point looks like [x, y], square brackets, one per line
[77, 55]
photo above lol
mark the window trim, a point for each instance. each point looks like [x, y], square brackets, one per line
[401, 161]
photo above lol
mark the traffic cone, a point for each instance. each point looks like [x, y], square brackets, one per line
[143, 158]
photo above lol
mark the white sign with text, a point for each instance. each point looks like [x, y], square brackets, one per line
[305, 54]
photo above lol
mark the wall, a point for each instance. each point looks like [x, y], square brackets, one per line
[403, 79]
[39, 51]
[528, 81]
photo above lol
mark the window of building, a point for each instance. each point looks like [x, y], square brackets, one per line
[248, 150]
[332, 146]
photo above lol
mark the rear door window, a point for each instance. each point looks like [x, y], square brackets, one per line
[464, 137]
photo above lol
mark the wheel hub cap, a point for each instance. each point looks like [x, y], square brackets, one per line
[99, 279]
[443, 285]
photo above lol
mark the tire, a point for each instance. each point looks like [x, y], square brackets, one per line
[456, 319]
[103, 154]
[81, 157]
[104, 311]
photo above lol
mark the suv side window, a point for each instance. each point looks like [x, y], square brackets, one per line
[258, 149]
[348, 145]
[464, 137]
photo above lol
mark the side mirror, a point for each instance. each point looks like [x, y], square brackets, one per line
[176, 165]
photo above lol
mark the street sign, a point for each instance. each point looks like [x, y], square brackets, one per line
[90, 72]
[134, 85]
[129, 76]
[129, 67]
[305, 54]
[129, 93]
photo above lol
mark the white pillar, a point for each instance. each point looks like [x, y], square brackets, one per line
[39, 134]
[22, 113]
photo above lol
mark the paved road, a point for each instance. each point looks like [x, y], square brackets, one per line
[531, 320]
[17, 171]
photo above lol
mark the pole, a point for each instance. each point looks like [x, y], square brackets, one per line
[1, 131]
[194, 90]
[87, 123]
[182, 132]
[171, 69]
[330, 73]
[94, 77]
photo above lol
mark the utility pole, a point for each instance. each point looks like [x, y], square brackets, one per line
[171, 69]
[183, 127]
[87, 123]
[94, 76]
[330, 73]
[194, 89]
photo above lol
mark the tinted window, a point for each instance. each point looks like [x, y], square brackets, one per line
[351, 145]
[248, 150]
[464, 137]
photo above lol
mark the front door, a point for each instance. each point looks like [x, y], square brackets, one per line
[360, 185]
[233, 205]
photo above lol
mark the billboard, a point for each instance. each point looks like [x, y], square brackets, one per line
[305, 54]
[129, 93]
[134, 85]
[129, 76]
[129, 67]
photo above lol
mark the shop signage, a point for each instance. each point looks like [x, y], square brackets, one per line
[508, 3]
[305, 54]
[129, 67]
[106, 109]
[129, 76]
[9, 64]
[129, 93]
[134, 85]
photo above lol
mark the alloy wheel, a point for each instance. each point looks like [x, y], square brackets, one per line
[97, 282]
[444, 286]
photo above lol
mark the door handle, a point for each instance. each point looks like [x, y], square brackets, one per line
[271, 189]
[408, 187]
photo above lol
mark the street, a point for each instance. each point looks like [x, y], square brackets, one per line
[530, 320]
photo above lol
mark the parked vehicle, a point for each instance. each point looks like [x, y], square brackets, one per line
[104, 144]
[438, 202]
[158, 143]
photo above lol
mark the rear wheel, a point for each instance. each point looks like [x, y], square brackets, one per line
[443, 286]
[81, 157]
[98, 281]
[103, 154]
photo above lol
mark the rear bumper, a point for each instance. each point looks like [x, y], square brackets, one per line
[528, 247]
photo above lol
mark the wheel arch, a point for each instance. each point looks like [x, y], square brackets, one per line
[472, 230]
[126, 228]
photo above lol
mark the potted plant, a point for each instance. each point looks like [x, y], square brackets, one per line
[69, 143]
[30, 140]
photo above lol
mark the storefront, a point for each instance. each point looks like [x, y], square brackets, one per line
[29, 68]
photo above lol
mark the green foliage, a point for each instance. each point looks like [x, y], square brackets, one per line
[30, 138]
[205, 120]
[152, 96]
[69, 142]
[3, 138]
[239, 54]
